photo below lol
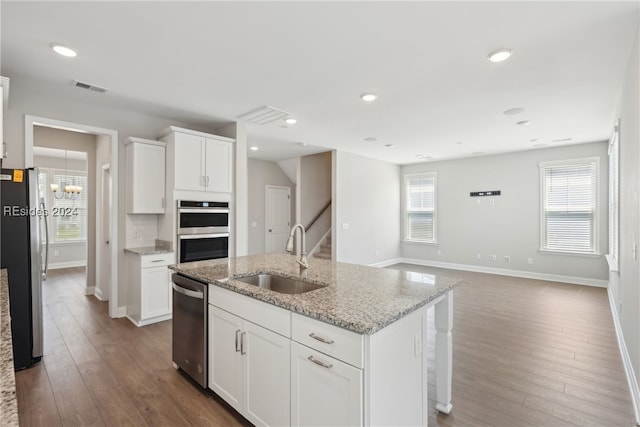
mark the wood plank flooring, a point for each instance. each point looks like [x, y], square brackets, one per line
[526, 353]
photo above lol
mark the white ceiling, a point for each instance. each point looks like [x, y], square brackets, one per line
[208, 62]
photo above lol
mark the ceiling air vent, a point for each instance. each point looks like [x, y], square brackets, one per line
[263, 115]
[89, 86]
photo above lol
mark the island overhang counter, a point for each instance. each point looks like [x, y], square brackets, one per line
[366, 326]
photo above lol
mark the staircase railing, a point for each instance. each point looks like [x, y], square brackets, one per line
[317, 217]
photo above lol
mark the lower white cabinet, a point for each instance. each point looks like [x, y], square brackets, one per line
[149, 294]
[249, 367]
[324, 390]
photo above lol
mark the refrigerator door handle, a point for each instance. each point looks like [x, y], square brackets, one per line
[46, 246]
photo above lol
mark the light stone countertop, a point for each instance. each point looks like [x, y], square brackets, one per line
[161, 247]
[358, 298]
[8, 400]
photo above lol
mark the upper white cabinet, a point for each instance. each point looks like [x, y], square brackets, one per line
[145, 163]
[202, 161]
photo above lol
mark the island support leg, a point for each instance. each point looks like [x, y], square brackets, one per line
[444, 323]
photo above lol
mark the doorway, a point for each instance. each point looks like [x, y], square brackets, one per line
[110, 139]
[277, 218]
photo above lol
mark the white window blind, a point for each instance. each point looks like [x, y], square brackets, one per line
[614, 198]
[569, 206]
[420, 207]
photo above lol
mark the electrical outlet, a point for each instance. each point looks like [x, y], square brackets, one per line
[507, 258]
[492, 258]
[492, 201]
[479, 256]
[56, 253]
[438, 252]
[345, 226]
[530, 261]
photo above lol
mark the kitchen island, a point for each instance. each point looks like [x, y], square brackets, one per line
[351, 352]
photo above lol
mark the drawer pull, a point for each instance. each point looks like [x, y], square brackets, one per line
[324, 340]
[157, 260]
[320, 362]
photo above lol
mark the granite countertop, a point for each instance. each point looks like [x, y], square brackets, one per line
[8, 400]
[358, 298]
[160, 247]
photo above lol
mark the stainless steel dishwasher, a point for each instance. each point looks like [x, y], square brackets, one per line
[190, 327]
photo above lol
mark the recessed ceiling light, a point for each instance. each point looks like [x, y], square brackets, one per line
[253, 148]
[390, 145]
[534, 140]
[63, 50]
[499, 55]
[513, 111]
[368, 97]
[290, 121]
[371, 139]
[562, 140]
[459, 142]
[302, 144]
[523, 122]
[420, 156]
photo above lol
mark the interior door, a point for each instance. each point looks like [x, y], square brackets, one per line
[277, 218]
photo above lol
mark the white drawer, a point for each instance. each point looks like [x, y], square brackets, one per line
[340, 343]
[261, 313]
[157, 260]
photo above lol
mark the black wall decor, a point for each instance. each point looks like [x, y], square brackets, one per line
[484, 193]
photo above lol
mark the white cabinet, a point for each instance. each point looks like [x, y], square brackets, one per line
[149, 295]
[324, 391]
[203, 162]
[145, 165]
[249, 368]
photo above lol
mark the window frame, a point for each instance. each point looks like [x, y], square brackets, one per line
[406, 211]
[596, 209]
[49, 174]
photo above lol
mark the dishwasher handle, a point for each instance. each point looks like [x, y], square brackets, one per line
[188, 292]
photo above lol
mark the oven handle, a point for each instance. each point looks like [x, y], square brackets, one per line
[203, 210]
[202, 236]
[188, 292]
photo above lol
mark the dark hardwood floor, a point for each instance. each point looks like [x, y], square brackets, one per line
[526, 353]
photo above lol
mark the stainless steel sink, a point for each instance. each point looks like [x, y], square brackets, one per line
[284, 285]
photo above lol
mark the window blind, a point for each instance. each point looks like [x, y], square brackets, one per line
[420, 207]
[569, 207]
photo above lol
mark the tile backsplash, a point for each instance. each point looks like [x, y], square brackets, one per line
[141, 230]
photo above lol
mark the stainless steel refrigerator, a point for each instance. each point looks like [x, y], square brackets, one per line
[24, 253]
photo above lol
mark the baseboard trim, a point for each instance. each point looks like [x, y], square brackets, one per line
[626, 359]
[68, 264]
[89, 290]
[121, 311]
[387, 262]
[97, 292]
[504, 272]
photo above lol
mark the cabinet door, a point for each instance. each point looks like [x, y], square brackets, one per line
[189, 161]
[146, 178]
[266, 376]
[219, 156]
[156, 292]
[225, 359]
[324, 390]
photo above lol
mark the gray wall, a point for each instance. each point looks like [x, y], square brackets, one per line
[76, 141]
[625, 286]
[367, 198]
[313, 193]
[261, 174]
[510, 226]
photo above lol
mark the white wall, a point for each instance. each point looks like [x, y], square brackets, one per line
[38, 101]
[625, 285]
[261, 174]
[313, 192]
[510, 226]
[367, 198]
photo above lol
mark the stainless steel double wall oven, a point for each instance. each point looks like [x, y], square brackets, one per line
[203, 230]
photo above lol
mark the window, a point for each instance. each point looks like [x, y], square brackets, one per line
[569, 206]
[420, 207]
[614, 197]
[67, 217]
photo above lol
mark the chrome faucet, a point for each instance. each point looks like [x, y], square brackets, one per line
[303, 254]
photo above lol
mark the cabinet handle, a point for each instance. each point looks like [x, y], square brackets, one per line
[163, 203]
[207, 181]
[238, 341]
[320, 362]
[324, 340]
[242, 351]
[157, 260]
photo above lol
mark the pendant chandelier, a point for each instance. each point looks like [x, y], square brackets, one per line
[69, 190]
